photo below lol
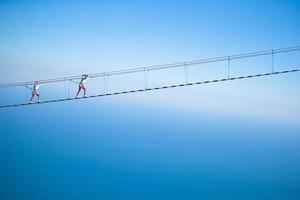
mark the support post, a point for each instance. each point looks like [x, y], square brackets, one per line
[27, 98]
[69, 89]
[185, 73]
[228, 68]
[65, 82]
[272, 61]
[146, 78]
[104, 84]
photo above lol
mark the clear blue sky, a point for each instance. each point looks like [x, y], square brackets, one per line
[235, 140]
[54, 38]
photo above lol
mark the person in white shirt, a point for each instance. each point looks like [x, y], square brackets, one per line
[35, 92]
[82, 85]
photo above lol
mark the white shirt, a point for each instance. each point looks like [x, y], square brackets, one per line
[83, 80]
[36, 86]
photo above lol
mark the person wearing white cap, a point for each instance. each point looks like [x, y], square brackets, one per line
[82, 85]
[35, 91]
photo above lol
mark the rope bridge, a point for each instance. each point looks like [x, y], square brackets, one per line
[146, 70]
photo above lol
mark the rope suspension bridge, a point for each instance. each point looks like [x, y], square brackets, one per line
[221, 68]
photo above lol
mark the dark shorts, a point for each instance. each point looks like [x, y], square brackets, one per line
[81, 85]
[35, 92]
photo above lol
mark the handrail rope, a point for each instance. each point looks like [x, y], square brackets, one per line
[164, 66]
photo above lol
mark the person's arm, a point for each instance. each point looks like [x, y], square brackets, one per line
[87, 78]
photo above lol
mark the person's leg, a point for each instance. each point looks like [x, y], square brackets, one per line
[38, 95]
[84, 90]
[32, 96]
[79, 89]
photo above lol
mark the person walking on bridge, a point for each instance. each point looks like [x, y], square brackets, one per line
[35, 91]
[82, 85]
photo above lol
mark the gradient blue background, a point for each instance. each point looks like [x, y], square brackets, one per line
[233, 140]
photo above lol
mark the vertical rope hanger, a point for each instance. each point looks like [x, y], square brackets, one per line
[186, 73]
[228, 68]
[272, 61]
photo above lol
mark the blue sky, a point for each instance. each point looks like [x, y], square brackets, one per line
[66, 38]
[45, 39]
[233, 140]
